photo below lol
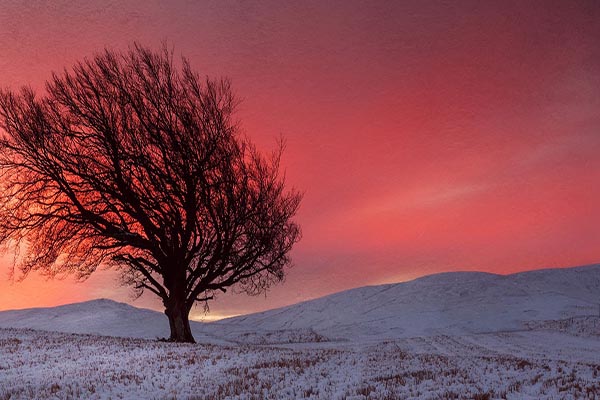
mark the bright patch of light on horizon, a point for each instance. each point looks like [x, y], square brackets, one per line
[210, 317]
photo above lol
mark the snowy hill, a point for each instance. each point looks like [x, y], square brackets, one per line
[98, 317]
[453, 303]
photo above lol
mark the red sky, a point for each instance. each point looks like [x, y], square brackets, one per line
[427, 136]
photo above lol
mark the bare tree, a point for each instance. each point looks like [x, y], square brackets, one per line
[133, 162]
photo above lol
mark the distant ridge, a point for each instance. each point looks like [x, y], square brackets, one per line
[98, 317]
[450, 303]
[446, 303]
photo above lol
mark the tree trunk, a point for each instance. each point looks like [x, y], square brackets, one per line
[179, 322]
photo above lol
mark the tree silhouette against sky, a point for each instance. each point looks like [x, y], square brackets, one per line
[132, 161]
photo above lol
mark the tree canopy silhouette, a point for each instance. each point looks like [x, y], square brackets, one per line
[132, 161]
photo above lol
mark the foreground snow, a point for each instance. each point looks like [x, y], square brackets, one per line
[554, 359]
[533, 335]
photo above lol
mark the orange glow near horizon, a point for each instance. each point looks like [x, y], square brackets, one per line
[427, 138]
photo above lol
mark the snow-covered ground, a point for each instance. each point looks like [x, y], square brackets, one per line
[538, 364]
[533, 335]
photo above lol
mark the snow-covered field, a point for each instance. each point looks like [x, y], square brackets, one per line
[534, 335]
[543, 363]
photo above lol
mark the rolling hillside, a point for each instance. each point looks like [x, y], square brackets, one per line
[451, 303]
[454, 303]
